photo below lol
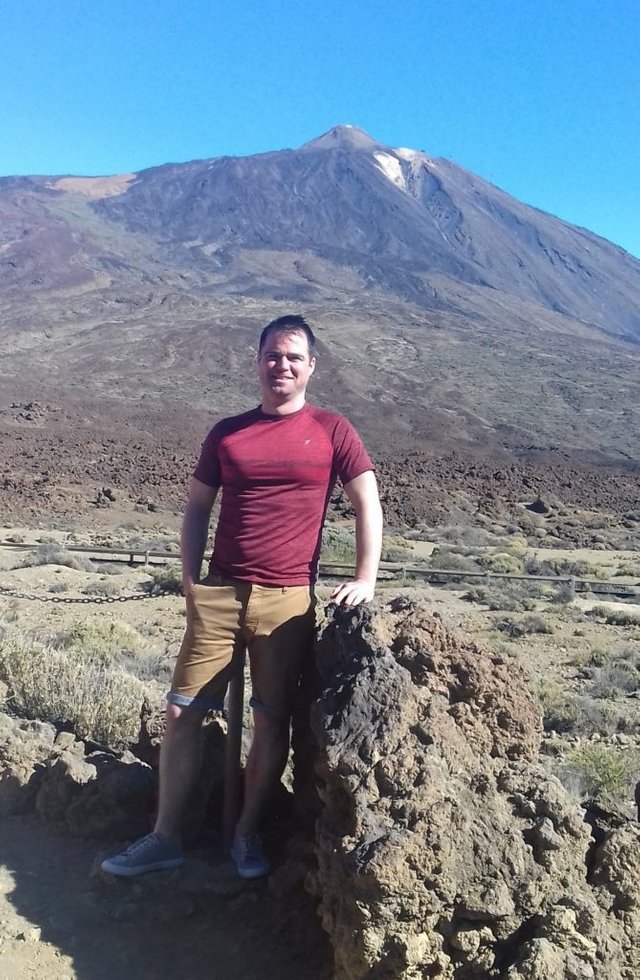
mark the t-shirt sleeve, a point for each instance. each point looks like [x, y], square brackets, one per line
[208, 467]
[351, 459]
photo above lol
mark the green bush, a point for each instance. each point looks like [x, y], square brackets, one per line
[502, 563]
[560, 712]
[338, 545]
[164, 578]
[604, 771]
[100, 639]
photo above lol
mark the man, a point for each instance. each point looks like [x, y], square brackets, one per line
[276, 466]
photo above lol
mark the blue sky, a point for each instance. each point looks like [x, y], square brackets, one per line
[538, 96]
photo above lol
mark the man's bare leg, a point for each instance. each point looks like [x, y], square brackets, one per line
[180, 763]
[265, 765]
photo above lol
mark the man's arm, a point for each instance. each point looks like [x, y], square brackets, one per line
[363, 494]
[195, 529]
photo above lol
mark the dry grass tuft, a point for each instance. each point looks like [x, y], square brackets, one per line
[98, 699]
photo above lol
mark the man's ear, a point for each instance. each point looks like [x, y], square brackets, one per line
[312, 365]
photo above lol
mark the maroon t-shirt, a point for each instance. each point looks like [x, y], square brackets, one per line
[277, 473]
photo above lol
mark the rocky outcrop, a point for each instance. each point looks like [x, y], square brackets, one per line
[24, 747]
[444, 848]
[98, 794]
[90, 795]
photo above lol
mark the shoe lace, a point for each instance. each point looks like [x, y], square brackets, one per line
[139, 846]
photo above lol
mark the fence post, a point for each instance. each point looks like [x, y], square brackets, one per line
[233, 749]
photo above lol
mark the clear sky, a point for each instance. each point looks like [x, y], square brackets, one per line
[541, 97]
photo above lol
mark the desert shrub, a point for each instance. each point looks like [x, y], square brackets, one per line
[560, 711]
[52, 553]
[338, 545]
[563, 567]
[100, 702]
[100, 639]
[564, 712]
[515, 545]
[57, 587]
[602, 770]
[164, 578]
[397, 555]
[394, 548]
[522, 627]
[614, 681]
[631, 568]
[563, 594]
[617, 675]
[480, 594]
[623, 617]
[588, 656]
[506, 596]
[101, 588]
[111, 568]
[495, 598]
[615, 617]
[501, 563]
[452, 559]
[464, 535]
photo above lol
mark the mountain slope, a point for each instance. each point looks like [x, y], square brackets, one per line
[448, 313]
[396, 216]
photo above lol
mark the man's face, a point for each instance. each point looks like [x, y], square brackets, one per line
[284, 365]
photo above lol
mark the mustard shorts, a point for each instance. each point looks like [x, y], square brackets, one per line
[225, 617]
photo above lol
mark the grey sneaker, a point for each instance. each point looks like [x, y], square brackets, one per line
[249, 856]
[150, 853]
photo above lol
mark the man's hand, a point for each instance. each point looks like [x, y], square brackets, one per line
[354, 592]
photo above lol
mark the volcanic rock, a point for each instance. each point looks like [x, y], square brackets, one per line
[444, 848]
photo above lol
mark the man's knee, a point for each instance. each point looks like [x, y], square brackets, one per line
[269, 725]
[183, 718]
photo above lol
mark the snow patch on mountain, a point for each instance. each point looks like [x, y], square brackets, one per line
[407, 154]
[390, 167]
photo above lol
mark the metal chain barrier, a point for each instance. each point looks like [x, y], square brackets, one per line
[98, 600]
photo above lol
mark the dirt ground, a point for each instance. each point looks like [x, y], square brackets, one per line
[62, 919]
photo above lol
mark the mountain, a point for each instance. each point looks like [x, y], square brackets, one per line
[398, 219]
[449, 314]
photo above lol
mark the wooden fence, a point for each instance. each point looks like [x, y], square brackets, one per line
[396, 571]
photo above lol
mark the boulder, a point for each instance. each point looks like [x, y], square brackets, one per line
[24, 747]
[443, 847]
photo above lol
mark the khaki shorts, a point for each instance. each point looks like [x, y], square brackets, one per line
[225, 617]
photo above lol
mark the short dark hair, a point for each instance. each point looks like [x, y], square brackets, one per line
[289, 324]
